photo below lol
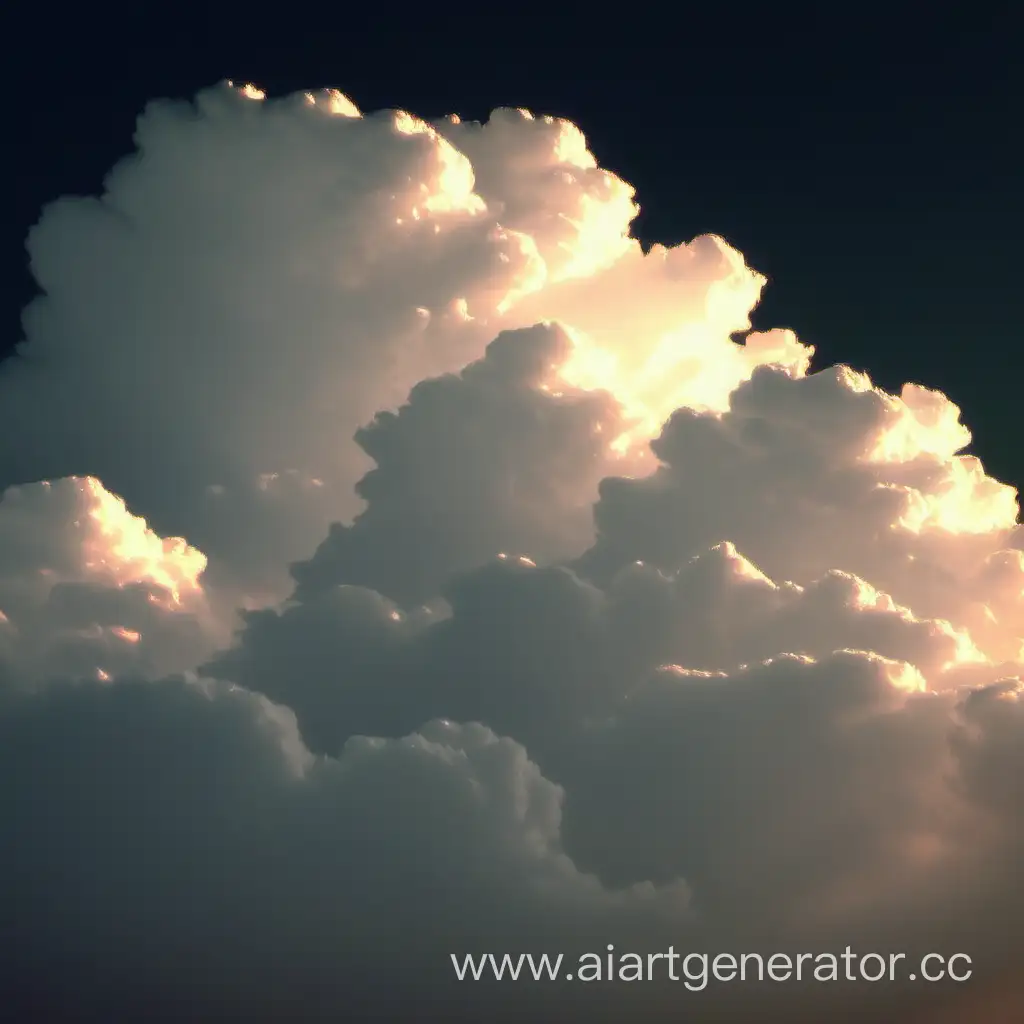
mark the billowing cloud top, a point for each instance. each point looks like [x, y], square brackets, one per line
[561, 617]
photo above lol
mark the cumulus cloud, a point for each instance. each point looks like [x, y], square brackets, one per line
[88, 590]
[805, 474]
[243, 845]
[520, 606]
[504, 456]
[261, 278]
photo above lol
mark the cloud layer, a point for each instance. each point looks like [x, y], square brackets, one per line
[520, 607]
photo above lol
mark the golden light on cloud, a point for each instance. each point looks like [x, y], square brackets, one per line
[492, 525]
[122, 546]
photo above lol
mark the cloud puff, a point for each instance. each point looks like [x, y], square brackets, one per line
[809, 474]
[196, 841]
[260, 278]
[564, 618]
[87, 589]
[504, 456]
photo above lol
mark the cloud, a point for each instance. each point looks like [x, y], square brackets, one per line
[521, 607]
[88, 590]
[821, 472]
[243, 845]
[504, 456]
[261, 278]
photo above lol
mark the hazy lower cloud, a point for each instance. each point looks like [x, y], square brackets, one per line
[396, 560]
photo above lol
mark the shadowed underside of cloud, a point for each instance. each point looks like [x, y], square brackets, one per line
[496, 458]
[520, 607]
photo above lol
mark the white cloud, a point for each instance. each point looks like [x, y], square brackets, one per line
[764, 694]
[809, 474]
[261, 278]
[88, 590]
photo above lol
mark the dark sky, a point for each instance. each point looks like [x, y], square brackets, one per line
[867, 167]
